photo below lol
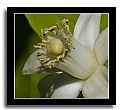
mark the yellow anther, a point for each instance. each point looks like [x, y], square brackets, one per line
[45, 41]
[52, 28]
[40, 53]
[56, 60]
[46, 60]
[68, 42]
[65, 21]
[39, 47]
[69, 37]
[49, 64]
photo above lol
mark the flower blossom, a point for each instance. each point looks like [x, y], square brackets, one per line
[80, 56]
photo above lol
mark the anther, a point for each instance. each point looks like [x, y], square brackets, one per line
[52, 28]
[65, 21]
[35, 46]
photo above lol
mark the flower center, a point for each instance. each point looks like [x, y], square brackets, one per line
[56, 48]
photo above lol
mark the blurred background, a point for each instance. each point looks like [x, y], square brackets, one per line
[25, 38]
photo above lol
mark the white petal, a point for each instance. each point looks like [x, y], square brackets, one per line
[45, 83]
[101, 47]
[87, 29]
[97, 85]
[65, 86]
[81, 63]
[33, 64]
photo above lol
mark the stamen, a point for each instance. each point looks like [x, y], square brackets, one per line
[52, 28]
[59, 45]
[35, 46]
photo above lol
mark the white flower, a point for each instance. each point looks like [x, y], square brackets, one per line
[84, 65]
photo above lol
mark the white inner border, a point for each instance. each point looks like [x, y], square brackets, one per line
[60, 98]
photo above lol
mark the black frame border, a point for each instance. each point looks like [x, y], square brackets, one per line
[10, 58]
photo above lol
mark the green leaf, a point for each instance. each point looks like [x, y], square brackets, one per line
[103, 22]
[41, 21]
[106, 64]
